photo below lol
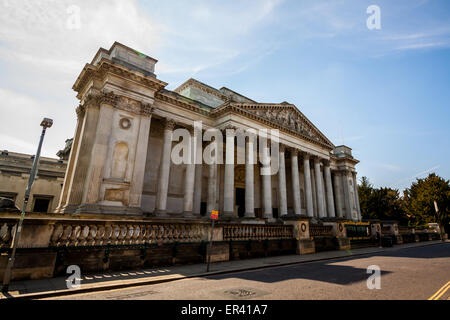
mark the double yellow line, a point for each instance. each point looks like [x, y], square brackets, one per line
[440, 292]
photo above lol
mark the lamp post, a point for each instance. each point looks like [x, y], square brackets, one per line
[46, 123]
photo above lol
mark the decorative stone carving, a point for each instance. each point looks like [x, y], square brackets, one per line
[169, 124]
[147, 109]
[126, 104]
[109, 98]
[288, 118]
[125, 123]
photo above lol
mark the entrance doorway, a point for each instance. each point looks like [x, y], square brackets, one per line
[240, 201]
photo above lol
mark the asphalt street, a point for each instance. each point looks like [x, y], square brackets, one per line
[410, 273]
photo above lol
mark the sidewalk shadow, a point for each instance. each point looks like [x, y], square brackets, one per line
[320, 271]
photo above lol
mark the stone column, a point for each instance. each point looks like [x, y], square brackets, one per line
[198, 189]
[295, 182]
[358, 209]
[319, 188]
[228, 205]
[189, 181]
[338, 193]
[282, 204]
[212, 185]
[308, 187]
[164, 169]
[198, 175]
[267, 190]
[347, 197]
[329, 185]
[249, 178]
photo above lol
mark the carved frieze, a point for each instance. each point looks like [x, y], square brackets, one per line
[287, 118]
[126, 104]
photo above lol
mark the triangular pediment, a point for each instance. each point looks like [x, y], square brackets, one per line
[288, 117]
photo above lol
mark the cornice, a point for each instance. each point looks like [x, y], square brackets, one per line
[105, 67]
[166, 97]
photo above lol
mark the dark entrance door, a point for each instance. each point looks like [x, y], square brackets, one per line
[240, 201]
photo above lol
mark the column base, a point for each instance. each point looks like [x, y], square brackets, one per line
[188, 214]
[249, 215]
[160, 213]
[227, 214]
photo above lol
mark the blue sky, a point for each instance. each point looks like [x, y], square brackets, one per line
[385, 93]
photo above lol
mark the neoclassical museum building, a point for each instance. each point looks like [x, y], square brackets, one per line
[120, 160]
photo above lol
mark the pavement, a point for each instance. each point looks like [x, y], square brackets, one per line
[110, 281]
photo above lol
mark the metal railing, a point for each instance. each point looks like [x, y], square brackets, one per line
[257, 232]
[320, 231]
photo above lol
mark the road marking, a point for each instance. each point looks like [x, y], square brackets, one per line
[440, 292]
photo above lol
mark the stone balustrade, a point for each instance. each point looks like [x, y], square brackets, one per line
[73, 234]
[76, 232]
[257, 232]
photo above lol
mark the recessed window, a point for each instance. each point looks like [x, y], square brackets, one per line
[8, 195]
[41, 204]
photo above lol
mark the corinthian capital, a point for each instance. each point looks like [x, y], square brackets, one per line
[169, 124]
[109, 98]
[147, 109]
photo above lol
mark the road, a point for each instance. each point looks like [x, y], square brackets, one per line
[413, 273]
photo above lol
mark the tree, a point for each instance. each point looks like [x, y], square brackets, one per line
[365, 190]
[420, 197]
[380, 203]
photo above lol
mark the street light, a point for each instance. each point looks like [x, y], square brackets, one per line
[46, 123]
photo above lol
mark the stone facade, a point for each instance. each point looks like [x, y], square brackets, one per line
[14, 173]
[120, 161]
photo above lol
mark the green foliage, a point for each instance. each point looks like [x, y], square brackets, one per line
[419, 200]
[415, 208]
[382, 203]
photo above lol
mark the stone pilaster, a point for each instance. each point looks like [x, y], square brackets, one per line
[71, 163]
[83, 153]
[137, 183]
